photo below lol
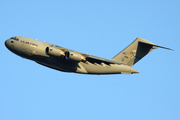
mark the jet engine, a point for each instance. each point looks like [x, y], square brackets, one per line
[73, 56]
[54, 52]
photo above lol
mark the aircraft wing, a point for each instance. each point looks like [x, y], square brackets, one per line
[99, 60]
[92, 59]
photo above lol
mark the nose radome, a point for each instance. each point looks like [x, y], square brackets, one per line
[7, 43]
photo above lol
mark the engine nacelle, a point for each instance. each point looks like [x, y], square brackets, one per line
[72, 56]
[54, 52]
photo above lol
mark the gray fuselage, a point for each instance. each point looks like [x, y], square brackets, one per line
[37, 51]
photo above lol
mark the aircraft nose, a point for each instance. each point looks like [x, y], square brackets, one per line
[7, 43]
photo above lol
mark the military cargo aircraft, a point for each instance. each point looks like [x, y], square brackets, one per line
[66, 60]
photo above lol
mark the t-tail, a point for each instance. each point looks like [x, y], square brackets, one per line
[135, 51]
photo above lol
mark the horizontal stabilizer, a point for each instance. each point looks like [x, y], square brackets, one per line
[157, 46]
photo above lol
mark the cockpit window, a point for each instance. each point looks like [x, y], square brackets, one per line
[14, 38]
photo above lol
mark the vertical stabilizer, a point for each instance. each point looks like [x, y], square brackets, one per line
[135, 51]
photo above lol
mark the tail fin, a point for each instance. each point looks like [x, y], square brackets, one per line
[135, 51]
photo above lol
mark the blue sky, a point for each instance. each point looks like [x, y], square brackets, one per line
[29, 91]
